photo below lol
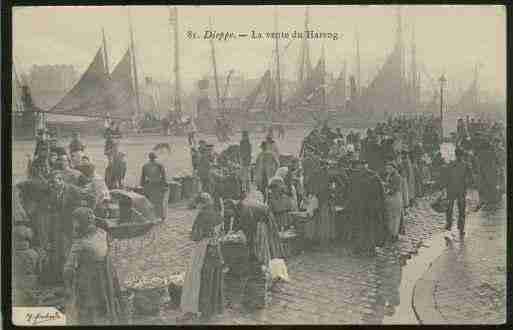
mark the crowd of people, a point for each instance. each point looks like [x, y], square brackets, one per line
[56, 240]
[354, 189]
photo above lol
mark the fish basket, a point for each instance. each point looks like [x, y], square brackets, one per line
[127, 301]
[147, 301]
[122, 231]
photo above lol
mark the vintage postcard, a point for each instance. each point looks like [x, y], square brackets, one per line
[258, 165]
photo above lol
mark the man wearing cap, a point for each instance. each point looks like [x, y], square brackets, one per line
[154, 182]
[457, 179]
[64, 199]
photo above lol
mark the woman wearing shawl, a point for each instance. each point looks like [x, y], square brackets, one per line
[283, 197]
[258, 224]
[266, 165]
[321, 229]
[92, 287]
[393, 200]
[203, 286]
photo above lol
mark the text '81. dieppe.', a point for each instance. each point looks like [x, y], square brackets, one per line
[256, 35]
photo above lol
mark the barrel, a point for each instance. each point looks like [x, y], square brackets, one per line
[175, 192]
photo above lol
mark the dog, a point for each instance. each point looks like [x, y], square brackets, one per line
[162, 146]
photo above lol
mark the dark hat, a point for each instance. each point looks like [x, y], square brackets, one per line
[152, 155]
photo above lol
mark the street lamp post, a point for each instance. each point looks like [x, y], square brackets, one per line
[442, 80]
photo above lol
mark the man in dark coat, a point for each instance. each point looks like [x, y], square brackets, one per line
[457, 178]
[245, 161]
[204, 167]
[155, 185]
[366, 218]
[64, 199]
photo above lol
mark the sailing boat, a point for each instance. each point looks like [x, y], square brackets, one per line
[24, 115]
[387, 92]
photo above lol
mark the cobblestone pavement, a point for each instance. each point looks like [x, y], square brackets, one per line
[468, 281]
[326, 287]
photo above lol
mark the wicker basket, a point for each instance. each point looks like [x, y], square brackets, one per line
[147, 301]
[124, 230]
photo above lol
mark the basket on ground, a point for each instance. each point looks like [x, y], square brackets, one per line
[136, 216]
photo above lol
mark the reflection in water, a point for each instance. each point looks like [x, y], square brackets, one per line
[388, 270]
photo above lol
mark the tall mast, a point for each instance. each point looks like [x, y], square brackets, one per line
[213, 50]
[134, 63]
[278, 81]
[476, 85]
[399, 38]
[358, 72]
[413, 74]
[173, 20]
[323, 79]
[344, 73]
[105, 53]
[304, 69]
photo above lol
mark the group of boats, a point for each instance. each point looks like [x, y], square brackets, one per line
[101, 94]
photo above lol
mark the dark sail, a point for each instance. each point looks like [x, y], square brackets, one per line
[121, 89]
[88, 97]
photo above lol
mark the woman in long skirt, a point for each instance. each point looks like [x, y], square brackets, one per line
[92, 285]
[393, 200]
[203, 286]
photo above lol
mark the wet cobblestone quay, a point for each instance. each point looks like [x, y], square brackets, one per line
[469, 279]
[326, 287]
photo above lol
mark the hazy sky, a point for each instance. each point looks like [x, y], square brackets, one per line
[449, 39]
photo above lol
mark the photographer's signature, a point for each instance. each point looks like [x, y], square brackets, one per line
[39, 318]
